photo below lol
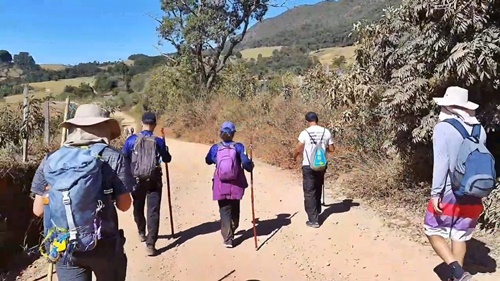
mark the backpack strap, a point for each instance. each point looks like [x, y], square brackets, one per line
[458, 126]
[231, 144]
[312, 139]
[98, 148]
[321, 140]
[476, 131]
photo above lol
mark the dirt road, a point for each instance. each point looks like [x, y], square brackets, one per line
[352, 244]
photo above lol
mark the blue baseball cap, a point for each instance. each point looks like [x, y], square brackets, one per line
[228, 127]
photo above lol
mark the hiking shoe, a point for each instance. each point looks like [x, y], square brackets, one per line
[151, 250]
[465, 277]
[142, 236]
[229, 244]
[312, 224]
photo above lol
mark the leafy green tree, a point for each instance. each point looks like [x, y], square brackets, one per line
[5, 56]
[207, 31]
[25, 61]
[124, 70]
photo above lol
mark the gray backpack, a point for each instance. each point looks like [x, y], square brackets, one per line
[144, 156]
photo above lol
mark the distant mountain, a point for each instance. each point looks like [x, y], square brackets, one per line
[325, 24]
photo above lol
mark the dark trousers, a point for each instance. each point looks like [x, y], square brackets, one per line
[108, 262]
[229, 218]
[150, 191]
[313, 184]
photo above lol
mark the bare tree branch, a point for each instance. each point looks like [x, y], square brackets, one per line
[165, 55]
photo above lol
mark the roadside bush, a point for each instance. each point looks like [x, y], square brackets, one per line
[380, 109]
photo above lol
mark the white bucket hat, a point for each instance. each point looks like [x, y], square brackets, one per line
[92, 114]
[456, 96]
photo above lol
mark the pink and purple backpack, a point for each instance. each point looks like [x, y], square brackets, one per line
[228, 166]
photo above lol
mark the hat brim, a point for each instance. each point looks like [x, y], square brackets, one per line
[115, 129]
[444, 102]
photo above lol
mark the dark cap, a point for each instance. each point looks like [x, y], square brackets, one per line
[311, 117]
[149, 118]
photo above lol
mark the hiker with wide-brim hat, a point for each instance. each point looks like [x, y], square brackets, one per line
[87, 178]
[449, 216]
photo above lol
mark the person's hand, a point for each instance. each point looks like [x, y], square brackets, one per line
[436, 204]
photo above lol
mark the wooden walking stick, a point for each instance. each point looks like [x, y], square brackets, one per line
[251, 196]
[64, 131]
[167, 174]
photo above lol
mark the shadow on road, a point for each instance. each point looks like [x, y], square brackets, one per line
[183, 236]
[265, 227]
[337, 208]
[227, 275]
[477, 260]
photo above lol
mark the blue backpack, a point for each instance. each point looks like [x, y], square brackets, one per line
[76, 197]
[317, 159]
[474, 173]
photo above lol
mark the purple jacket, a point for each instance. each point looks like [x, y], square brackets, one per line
[230, 190]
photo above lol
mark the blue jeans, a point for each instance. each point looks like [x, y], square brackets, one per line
[107, 261]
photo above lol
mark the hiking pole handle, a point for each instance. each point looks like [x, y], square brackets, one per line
[167, 174]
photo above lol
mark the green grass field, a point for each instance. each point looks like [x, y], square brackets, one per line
[44, 89]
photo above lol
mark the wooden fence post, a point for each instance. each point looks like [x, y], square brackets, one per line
[46, 128]
[25, 120]
[64, 131]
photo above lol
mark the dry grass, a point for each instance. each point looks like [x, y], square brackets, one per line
[54, 67]
[128, 62]
[325, 56]
[274, 123]
[43, 89]
[254, 52]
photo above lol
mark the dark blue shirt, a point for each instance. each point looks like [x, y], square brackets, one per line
[247, 164]
[164, 155]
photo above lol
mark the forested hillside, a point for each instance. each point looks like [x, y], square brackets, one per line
[322, 25]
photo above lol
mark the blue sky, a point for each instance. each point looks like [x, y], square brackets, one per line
[73, 31]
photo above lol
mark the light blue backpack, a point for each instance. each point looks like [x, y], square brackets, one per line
[76, 196]
[474, 173]
[317, 159]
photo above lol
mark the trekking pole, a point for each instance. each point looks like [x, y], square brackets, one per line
[251, 195]
[168, 189]
[50, 269]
